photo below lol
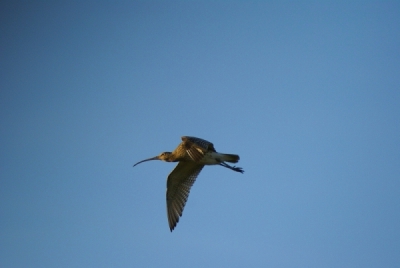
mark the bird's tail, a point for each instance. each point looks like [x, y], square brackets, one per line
[231, 158]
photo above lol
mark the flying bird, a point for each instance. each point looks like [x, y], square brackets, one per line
[192, 154]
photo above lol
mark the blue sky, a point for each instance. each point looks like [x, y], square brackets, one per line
[307, 93]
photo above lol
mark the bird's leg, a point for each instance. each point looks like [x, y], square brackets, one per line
[237, 169]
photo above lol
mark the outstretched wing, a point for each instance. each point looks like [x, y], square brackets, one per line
[196, 147]
[179, 183]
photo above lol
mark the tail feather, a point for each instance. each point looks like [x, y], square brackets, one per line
[231, 158]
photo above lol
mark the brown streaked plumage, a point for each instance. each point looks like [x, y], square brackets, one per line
[192, 154]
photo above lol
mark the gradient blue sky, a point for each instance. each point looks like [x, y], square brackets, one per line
[307, 93]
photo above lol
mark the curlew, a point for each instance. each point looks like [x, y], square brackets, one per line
[192, 154]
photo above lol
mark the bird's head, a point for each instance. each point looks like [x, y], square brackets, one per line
[164, 156]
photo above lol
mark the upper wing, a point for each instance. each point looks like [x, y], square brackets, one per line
[179, 183]
[206, 145]
[196, 147]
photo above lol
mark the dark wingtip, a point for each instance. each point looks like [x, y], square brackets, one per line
[172, 227]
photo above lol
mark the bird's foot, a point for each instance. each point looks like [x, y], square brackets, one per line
[238, 169]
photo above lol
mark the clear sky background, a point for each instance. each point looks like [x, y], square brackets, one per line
[307, 93]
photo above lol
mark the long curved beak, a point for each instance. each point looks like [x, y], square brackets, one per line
[153, 158]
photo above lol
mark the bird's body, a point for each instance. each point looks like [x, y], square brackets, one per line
[192, 154]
